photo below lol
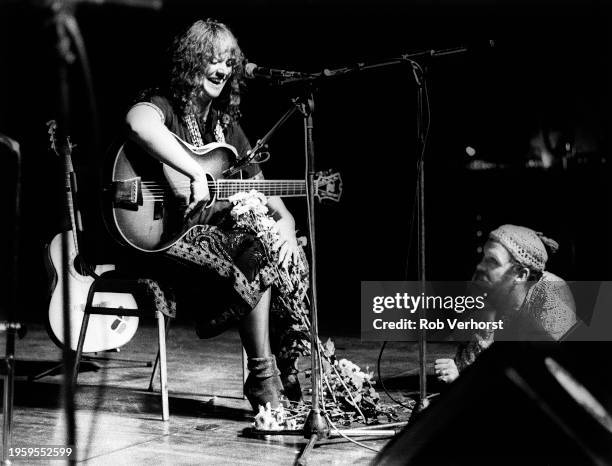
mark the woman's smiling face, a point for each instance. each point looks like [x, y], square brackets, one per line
[218, 70]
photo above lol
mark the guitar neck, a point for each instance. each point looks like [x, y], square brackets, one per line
[283, 188]
[70, 186]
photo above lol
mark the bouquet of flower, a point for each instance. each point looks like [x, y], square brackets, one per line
[349, 393]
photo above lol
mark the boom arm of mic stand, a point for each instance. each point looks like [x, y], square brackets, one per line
[361, 66]
[261, 142]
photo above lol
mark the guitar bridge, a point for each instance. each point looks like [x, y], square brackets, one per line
[127, 193]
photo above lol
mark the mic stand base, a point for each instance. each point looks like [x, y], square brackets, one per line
[316, 424]
[310, 431]
[379, 430]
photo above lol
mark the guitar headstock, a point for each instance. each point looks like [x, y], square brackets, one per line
[61, 145]
[328, 185]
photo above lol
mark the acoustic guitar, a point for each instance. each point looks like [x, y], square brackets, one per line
[145, 198]
[103, 332]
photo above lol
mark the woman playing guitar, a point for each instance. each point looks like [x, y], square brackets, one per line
[199, 104]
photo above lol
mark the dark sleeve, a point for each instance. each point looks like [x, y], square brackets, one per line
[237, 138]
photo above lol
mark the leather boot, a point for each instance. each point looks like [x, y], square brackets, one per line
[263, 383]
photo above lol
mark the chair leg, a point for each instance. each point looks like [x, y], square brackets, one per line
[157, 357]
[245, 370]
[79, 351]
[163, 376]
[7, 401]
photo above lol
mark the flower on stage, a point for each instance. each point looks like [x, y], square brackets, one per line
[349, 393]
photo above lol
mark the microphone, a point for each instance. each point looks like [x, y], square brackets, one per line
[254, 71]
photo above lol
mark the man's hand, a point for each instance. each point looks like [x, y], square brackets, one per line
[446, 370]
[287, 245]
[199, 194]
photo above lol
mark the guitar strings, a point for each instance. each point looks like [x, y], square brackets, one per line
[231, 189]
[159, 191]
[219, 195]
[227, 186]
[157, 183]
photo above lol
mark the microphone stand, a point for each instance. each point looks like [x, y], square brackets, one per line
[317, 424]
[422, 130]
[422, 133]
[11, 326]
[62, 15]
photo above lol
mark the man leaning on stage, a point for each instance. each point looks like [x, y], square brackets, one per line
[534, 304]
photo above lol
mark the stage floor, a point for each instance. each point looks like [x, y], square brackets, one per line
[119, 422]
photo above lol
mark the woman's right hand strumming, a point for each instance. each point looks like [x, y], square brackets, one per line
[146, 127]
[199, 195]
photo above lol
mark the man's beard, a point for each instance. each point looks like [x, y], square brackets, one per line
[479, 285]
[497, 294]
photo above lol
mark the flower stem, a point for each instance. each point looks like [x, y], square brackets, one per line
[350, 395]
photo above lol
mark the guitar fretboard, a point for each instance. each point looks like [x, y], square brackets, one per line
[285, 188]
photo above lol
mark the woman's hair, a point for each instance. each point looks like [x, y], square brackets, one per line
[190, 54]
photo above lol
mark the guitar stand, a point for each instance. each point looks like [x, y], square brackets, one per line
[60, 365]
[117, 350]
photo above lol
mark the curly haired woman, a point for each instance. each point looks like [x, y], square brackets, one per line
[199, 103]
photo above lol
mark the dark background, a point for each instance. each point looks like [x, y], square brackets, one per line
[548, 71]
